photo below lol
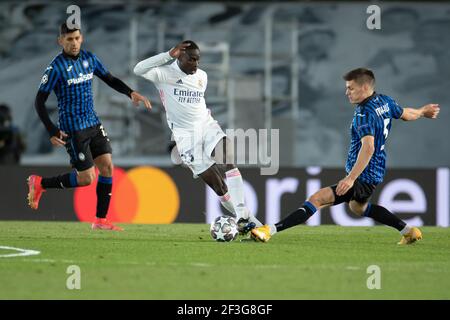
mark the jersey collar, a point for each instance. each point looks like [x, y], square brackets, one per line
[362, 103]
[75, 58]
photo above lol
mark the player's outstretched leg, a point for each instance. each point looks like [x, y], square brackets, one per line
[384, 216]
[37, 185]
[297, 217]
[410, 236]
[319, 200]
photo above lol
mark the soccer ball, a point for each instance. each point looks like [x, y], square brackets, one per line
[224, 229]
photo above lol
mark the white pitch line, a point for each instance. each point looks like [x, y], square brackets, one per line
[201, 265]
[352, 268]
[40, 260]
[22, 252]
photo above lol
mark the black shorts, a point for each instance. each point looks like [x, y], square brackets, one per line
[360, 192]
[85, 145]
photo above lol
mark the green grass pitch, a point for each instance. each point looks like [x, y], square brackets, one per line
[181, 261]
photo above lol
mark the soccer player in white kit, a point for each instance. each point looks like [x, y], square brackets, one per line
[201, 143]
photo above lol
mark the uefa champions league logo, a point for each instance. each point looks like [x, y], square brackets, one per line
[44, 79]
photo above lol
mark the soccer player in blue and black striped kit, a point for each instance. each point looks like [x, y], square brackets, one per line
[70, 76]
[366, 162]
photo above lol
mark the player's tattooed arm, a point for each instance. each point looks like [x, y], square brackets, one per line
[430, 111]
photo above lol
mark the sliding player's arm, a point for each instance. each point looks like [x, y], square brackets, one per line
[430, 111]
[364, 156]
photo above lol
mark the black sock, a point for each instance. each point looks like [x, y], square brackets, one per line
[297, 217]
[384, 216]
[104, 188]
[68, 180]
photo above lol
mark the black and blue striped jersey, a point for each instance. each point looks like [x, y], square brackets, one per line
[372, 117]
[71, 80]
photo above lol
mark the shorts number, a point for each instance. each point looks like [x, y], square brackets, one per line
[103, 131]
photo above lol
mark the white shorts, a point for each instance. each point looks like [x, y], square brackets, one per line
[195, 146]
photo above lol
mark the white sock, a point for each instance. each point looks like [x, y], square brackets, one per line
[273, 229]
[252, 218]
[236, 189]
[227, 204]
[405, 230]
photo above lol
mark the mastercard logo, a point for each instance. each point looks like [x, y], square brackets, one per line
[139, 195]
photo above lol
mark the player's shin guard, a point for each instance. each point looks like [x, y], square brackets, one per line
[104, 188]
[236, 189]
[297, 217]
[382, 215]
[68, 180]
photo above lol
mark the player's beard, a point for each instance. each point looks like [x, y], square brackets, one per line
[72, 51]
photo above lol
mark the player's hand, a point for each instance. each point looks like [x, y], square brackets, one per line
[431, 110]
[344, 185]
[58, 140]
[180, 48]
[136, 98]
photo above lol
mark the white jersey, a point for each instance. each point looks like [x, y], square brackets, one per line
[182, 95]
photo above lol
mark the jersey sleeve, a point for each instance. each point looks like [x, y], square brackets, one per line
[49, 79]
[365, 125]
[99, 68]
[153, 68]
[155, 75]
[396, 109]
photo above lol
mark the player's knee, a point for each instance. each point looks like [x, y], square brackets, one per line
[315, 199]
[356, 208]
[86, 178]
[106, 170]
